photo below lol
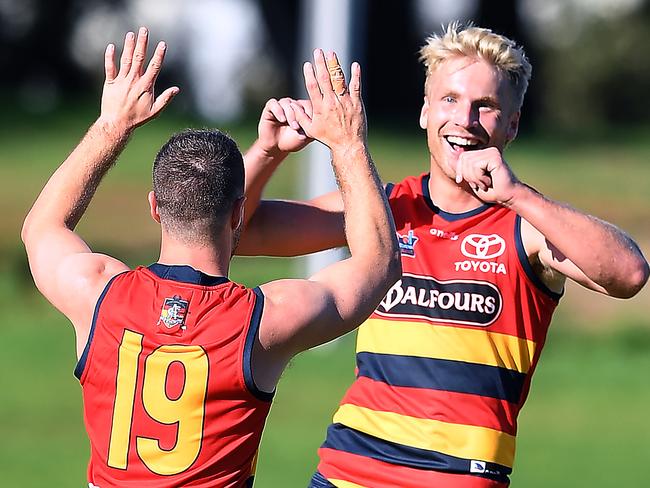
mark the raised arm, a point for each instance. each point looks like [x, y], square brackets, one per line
[270, 223]
[299, 314]
[559, 240]
[64, 268]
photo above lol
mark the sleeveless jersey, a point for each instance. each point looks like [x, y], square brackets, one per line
[444, 363]
[169, 398]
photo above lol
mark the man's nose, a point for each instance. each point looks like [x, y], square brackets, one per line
[465, 115]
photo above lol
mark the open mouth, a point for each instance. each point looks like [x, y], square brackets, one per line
[462, 144]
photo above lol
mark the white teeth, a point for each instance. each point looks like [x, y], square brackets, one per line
[461, 141]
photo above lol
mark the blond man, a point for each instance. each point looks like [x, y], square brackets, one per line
[444, 363]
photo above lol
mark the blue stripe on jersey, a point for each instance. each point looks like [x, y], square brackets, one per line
[249, 482]
[81, 364]
[442, 374]
[319, 481]
[523, 259]
[342, 438]
[254, 326]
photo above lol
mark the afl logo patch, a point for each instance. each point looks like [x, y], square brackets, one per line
[172, 315]
[407, 243]
[466, 302]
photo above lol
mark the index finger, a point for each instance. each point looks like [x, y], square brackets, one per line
[311, 85]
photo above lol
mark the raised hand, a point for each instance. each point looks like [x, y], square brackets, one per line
[337, 120]
[279, 131]
[128, 98]
[488, 175]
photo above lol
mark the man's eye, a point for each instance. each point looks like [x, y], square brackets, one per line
[449, 99]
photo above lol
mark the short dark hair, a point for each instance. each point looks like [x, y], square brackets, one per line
[198, 174]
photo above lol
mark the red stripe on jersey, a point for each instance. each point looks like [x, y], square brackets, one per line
[446, 406]
[377, 474]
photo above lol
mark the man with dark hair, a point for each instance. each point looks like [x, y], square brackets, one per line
[178, 365]
[197, 175]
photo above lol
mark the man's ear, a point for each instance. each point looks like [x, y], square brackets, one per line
[153, 206]
[424, 113]
[513, 127]
[237, 218]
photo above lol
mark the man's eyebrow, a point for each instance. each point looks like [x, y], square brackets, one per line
[490, 101]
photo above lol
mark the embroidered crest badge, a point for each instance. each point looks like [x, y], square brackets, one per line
[172, 315]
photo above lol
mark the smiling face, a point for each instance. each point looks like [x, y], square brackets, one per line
[468, 105]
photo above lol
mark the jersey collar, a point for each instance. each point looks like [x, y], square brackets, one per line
[185, 274]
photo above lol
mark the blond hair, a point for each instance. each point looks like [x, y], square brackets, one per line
[475, 42]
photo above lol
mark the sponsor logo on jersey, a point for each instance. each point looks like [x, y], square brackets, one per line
[466, 302]
[407, 243]
[443, 235]
[477, 466]
[172, 315]
[482, 467]
[481, 249]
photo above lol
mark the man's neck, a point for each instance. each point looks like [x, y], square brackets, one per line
[450, 196]
[210, 259]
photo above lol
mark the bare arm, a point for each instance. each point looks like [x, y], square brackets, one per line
[559, 240]
[588, 250]
[279, 134]
[271, 225]
[299, 314]
[294, 228]
[64, 268]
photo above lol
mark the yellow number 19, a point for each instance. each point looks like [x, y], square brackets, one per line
[188, 410]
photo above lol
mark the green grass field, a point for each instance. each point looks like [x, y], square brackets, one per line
[586, 421]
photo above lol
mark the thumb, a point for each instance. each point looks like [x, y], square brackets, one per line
[163, 100]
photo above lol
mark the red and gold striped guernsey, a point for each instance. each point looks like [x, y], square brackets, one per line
[444, 363]
[169, 398]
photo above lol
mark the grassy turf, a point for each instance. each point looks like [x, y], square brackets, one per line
[585, 423]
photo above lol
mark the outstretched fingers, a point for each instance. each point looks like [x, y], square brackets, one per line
[311, 84]
[140, 52]
[355, 81]
[127, 54]
[323, 74]
[337, 78]
[153, 69]
[109, 63]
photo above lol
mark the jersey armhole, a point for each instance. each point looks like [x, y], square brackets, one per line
[81, 364]
[253, 328]
[525, 264]
[389, 189]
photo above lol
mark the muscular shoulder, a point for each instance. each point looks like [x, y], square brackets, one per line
[81, 278]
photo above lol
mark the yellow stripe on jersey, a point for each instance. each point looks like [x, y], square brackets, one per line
[463, 441]
[423, 339]
[344, 484]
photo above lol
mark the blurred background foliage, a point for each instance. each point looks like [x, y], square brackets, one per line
[590, 58]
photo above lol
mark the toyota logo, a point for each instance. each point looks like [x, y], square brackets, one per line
[478, 246]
